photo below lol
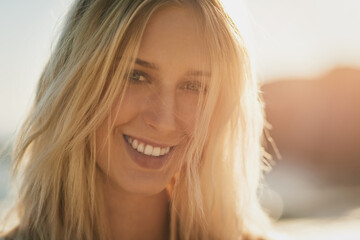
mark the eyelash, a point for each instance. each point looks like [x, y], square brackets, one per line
[199, 87]
[192, 86]
[139, 74]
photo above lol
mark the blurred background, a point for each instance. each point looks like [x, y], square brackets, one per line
[307, 57]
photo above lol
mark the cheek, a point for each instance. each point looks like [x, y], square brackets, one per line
[129, 108]
[121, 113]
[102, 144]
[186, 110]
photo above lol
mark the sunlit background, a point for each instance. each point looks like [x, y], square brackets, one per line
[307, 57]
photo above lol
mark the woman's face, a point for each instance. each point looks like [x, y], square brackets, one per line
[154, 122]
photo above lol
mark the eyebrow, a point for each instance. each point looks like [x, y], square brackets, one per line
[190, 73]
[146, 64]
[198, 73]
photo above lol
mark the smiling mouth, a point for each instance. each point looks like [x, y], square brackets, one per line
[147, 149]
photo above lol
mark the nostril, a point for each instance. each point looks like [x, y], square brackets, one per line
[160, 121]
[160, 115]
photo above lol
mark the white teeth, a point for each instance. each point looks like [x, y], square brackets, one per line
[156, 151]
[162, 151]
[148, 149]
[134, 143]
[140, 148]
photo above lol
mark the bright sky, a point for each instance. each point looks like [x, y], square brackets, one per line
[291, 38]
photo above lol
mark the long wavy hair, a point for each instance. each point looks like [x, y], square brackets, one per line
[214, 196]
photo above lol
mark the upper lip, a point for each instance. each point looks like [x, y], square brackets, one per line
[151, 142]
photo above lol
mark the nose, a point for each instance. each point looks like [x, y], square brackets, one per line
[159, 113]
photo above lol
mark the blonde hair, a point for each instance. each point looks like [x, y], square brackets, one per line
[214, 196]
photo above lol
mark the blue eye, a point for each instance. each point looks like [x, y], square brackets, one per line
[138, 77]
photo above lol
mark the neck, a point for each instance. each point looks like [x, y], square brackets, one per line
[136, 216]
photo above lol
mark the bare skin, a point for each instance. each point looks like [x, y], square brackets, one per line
[158, 107]
[134, 216]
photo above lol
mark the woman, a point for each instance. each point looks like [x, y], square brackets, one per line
[146, 125]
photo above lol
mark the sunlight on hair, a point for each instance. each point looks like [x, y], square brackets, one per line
[65, 144]
[239, 13]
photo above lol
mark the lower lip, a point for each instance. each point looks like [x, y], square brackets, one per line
[145, 161]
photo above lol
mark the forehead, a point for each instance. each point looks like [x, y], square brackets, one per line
[172, 38]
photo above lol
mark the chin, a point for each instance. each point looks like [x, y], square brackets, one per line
[143, 183]
[132, 172]
[134, 176]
